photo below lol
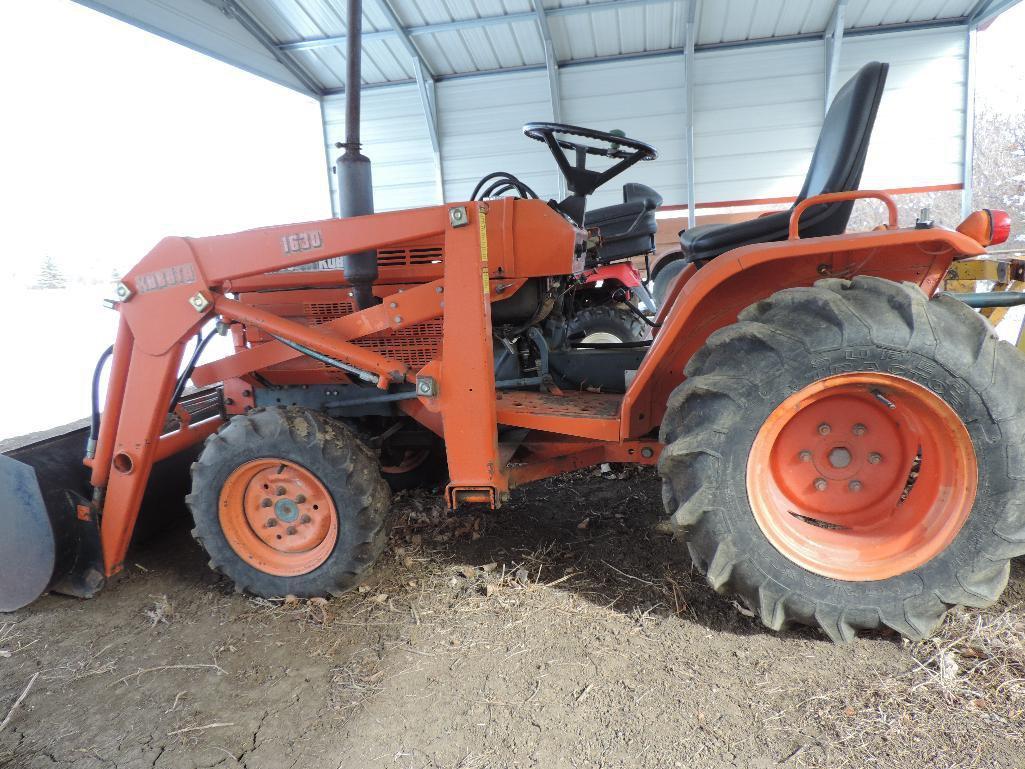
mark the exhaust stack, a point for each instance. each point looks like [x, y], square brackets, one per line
[355, 189]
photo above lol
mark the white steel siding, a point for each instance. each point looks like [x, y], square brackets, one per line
[395, 138]
[480, 121]
[757, 114]
[919, 134]
[644, 98]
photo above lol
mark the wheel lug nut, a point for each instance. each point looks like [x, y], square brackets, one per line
[875, 458]
[859, 429]
[305, 519]
[266, 502]
[821, 484]
[854, 485]
[272, 522]
[825, 429]
[300, 499]
[291, 530]
[280, 491]
[805, 456]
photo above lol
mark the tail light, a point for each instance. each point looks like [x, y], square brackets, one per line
[987, 227]
[1001, 227]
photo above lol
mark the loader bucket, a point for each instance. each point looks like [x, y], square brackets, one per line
[48, 537]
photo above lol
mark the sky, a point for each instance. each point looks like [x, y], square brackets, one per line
[113, 138]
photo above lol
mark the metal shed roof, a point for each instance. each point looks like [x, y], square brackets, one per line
[300, 43]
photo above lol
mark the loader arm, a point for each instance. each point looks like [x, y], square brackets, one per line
[184, 282]
[170, 295]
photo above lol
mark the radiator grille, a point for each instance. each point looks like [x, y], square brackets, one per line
[323, 312]
[413, 256]
[415, 346]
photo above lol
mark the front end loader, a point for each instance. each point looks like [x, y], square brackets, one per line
[839, 443]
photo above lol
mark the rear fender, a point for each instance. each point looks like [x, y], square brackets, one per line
[624, 272]
[716, 294]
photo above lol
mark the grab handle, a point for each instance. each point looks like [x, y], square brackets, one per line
[836, 197]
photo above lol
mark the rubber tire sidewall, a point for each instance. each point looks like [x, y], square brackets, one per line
[360, 497]
[803, 369]
[799, 336]
[617, 321]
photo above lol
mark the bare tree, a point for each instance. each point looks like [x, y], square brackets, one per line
[998, 174]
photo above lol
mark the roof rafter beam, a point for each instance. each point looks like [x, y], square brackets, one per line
[985, 11]
[482, 21]
[428, 101]
[690, 45]
[552, 67]
[233, 10]
[833, 39]
[551, 62]
[424, 77]
[968, 127]
[397, 29]
[699, 48]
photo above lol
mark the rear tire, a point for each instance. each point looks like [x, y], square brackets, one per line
[331, 525]
[805, 337]
[607, 324]
[664, 273]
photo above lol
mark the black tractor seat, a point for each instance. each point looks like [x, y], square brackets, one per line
[628, 228]
[836, 166]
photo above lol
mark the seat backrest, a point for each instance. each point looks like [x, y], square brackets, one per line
[632, 191]
[839, 156]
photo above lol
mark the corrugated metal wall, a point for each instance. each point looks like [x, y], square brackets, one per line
[396, 140]
[919, 134]
[644, 98]
[757, 117]
[480, 122]
[757, 114]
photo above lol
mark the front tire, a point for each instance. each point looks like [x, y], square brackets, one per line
[849, 456]
[605, 324]
[289, 502]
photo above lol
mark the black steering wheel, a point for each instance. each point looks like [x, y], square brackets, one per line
[580, 179]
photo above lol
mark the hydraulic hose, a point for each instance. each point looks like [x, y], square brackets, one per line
[183, 380]
[620, 296]
[94, 426]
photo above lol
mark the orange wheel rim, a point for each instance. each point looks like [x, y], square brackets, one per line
[278, 516]
[862, 476]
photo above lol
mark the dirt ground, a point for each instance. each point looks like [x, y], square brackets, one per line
[561, 631]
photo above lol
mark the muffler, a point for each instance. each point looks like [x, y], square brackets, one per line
[355, 187]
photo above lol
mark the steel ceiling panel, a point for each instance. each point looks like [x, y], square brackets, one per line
[384, 61]
[872, 13]
[732, 21]
[631, 27]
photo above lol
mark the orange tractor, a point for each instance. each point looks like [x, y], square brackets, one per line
[839, 444]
